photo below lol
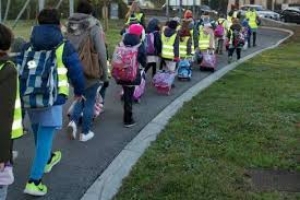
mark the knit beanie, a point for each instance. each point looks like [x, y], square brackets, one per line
[188, 14]
[173, 24]
[136, 29]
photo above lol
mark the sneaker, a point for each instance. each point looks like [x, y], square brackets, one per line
[129, 125]
[35, 190]
[86, 137]
[72, 130]
[54, 160]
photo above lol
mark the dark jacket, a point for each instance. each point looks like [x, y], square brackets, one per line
[153, 27]
[168, 32]
[78, 24]
[8, 90]
[131, 40]
[47, 37]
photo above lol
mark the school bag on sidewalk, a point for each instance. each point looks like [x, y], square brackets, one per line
[38, 75]
[163, 81]
[209, 61]
[125, 64]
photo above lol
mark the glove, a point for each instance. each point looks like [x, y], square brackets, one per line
[106, 84]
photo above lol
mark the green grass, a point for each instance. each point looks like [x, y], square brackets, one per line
[245, 120]
[23, 29]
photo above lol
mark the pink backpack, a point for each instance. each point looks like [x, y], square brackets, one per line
[150, 49]
[125, 63]
[220, 30]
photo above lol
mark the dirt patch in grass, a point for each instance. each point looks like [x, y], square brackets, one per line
[271, 180]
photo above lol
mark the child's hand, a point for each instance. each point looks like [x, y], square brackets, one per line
[1, 167]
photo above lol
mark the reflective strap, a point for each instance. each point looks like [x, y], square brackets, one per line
[1, 66]
[62, 71]
[63, 84]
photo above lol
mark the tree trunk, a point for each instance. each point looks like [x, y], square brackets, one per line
[58, 4]
[7, 10]
[21, 13]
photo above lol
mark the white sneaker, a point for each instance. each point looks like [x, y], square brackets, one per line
[86, 137]
[72, 130]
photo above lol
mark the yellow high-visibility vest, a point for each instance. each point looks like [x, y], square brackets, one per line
[138, 17]
[17, 127]
[252, 16]
[204, 40]
[183, 47]
[63, 83]
[168, 46]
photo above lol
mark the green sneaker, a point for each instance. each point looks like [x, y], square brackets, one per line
[35, 190]
[54, 160]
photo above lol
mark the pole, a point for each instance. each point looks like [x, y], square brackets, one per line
[194, 5]
[20, 13]
[41, 5]
[180, 8]
[1, 11]
[71, 3]
[167, 10]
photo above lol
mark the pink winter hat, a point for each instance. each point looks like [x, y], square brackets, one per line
[136, 29]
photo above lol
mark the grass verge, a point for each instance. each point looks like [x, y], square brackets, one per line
[246, 120]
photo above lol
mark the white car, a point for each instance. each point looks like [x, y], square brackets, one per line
[261, 11]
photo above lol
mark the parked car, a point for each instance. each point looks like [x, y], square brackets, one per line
[291, 14]
[261, 11]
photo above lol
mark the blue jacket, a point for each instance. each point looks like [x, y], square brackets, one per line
[47, 37]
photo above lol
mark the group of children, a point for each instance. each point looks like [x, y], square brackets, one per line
[154, 47]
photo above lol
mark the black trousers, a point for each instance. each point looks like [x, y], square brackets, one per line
[238, 52]
[128, 101]
[253, 35]
[153, 66]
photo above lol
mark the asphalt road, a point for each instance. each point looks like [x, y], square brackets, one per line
[82, 163]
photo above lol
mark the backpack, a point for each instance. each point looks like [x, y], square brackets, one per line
[38, 77]
[220, 30]
[150, 49]
[89, 58]
[87, 54]
[124, 63]
[238, 39]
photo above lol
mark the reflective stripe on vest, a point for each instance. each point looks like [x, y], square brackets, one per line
[235, 14]
[192, 35]
[204, 40]
[183, 47]
[17, 127]
[252, 19]
[168, 46]
[63, 84]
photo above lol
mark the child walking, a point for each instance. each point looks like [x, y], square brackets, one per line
[153, 49]
[10, 111]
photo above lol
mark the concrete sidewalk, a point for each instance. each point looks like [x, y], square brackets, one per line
[83, 162]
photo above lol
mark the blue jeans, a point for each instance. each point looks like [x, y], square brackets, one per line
[3, 192]
[87, 108]
[43, 137]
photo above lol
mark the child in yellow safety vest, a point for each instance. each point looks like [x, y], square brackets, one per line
[10, 110]
[186, 47]
[170, 46]
[206, 37]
